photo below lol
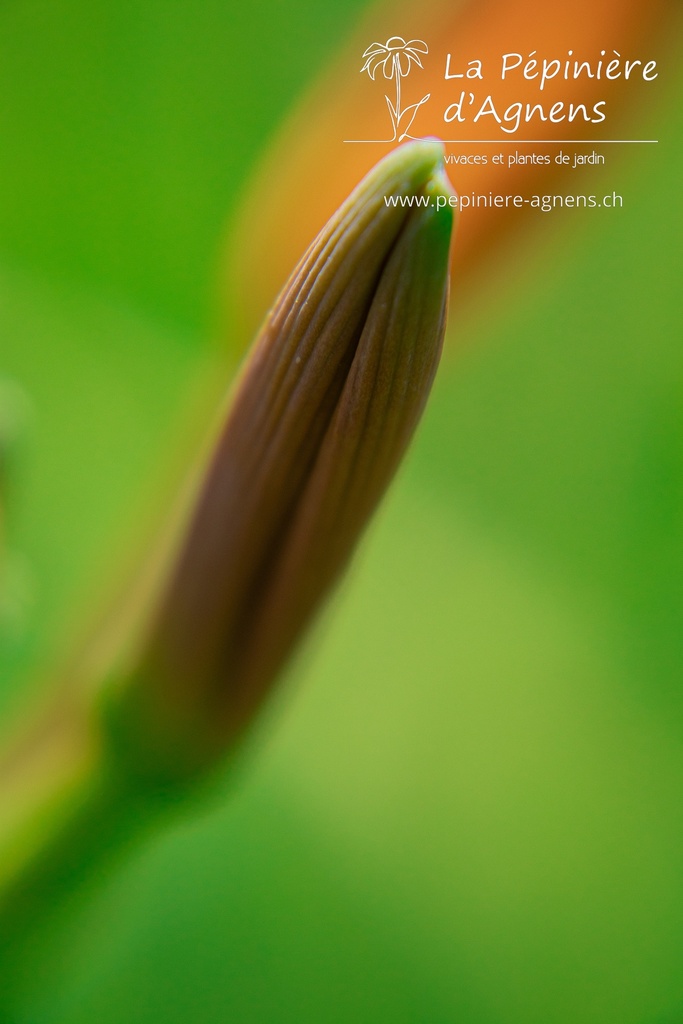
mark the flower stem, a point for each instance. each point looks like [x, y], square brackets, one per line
[98, 819]
[397, 69]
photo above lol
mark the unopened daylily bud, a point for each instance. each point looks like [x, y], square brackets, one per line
[321, 417]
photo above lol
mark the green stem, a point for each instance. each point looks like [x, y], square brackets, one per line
[109, 813]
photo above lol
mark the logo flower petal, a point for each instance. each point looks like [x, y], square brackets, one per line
[402, 62]
[374, 48]
[411, 55]
[417, 44]
[373, 63]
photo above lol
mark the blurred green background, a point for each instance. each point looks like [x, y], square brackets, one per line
[466, 805]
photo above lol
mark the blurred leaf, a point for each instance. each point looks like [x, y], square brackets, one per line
[127, 129]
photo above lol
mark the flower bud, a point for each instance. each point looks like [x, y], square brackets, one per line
[321, 416]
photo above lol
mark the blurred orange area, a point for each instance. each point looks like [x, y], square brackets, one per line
[310, 167]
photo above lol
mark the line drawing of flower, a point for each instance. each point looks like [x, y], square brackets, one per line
[396, 57]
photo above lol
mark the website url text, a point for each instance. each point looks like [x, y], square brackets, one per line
[474, 201]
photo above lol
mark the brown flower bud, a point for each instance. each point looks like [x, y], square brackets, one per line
[321, 416]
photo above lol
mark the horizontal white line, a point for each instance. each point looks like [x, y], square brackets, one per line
[574, 142]
[529, 142]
